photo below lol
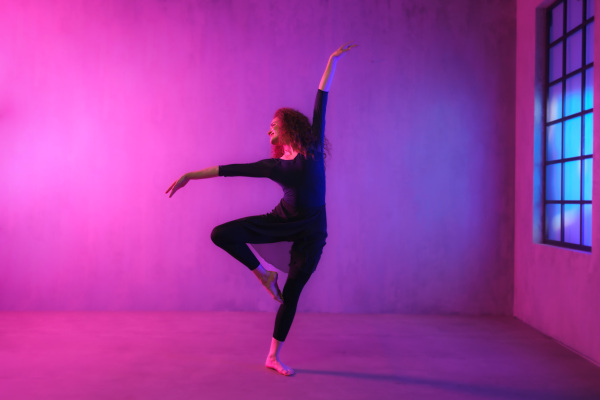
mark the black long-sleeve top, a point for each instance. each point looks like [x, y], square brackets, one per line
[302, 179]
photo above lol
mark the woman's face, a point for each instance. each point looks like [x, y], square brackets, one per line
[275, 132]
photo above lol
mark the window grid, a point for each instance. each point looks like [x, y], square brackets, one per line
[564, 208]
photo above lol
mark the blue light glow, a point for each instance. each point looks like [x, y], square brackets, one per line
[573, 95]
[572, 223]
[572, 180]
[573, 137]
[553, 181]
[553, 221]
[554, 142]
[554, 106]
[589, 89]
[569, 179]
[587, 179]
[587, 225]
[588, 135]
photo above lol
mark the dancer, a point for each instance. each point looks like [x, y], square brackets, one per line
[298, 167]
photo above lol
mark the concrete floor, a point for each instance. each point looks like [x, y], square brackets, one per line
[191, 355]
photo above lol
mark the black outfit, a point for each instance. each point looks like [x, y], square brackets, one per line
[299, 217]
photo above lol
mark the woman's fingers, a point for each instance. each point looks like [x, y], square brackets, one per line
[348, 46]
[175, 188]
[171, 187]
[344, 48]
[179, 183]
[351, 47]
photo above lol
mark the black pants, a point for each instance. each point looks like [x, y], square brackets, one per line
[308, 237]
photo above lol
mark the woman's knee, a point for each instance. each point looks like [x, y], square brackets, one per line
[293, 287]
[218, 235]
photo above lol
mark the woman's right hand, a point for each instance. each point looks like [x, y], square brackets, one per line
[339, 53]
[325, 83]
[178, 184]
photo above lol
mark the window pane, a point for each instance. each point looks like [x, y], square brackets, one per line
[573, 137]
[574, 49]
[556, 24]
[587, 225]
[589, 44]
[572, 180]
[554, 106]
[553, 221]
[587, 179]
[588, 137]
[553, 181]
[573, 95]
[555, 67]
[589, 89]
[590, 9]
[573, 223]
[554, 142]
[574, 13]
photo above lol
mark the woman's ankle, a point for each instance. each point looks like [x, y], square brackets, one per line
[260, 272]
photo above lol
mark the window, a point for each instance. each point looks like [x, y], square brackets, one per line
[568, 125]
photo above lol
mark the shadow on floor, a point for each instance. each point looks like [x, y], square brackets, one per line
[471, 389]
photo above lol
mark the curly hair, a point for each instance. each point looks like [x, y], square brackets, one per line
[297, 132]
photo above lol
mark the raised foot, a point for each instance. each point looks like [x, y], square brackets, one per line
[270, 283]
[278, 366]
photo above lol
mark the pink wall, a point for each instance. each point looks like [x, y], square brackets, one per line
[103, 103]
[556, 290]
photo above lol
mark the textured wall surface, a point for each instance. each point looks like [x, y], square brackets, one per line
[556, 290]
[103, 103]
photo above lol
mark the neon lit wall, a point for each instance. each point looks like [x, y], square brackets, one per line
[105, 103]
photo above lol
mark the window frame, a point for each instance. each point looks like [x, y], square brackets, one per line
[564, 76]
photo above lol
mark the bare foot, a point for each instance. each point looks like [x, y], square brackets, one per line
[270, 283]
[274, 363]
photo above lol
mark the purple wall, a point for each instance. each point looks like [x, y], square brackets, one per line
[556, 290]
[104, 103]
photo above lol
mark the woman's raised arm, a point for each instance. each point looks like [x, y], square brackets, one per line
[209, 172]
[325, 83]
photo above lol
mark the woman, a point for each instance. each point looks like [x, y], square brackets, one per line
[298, 166]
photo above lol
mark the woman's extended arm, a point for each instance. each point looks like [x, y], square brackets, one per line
[331, 64]
[209, 172]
